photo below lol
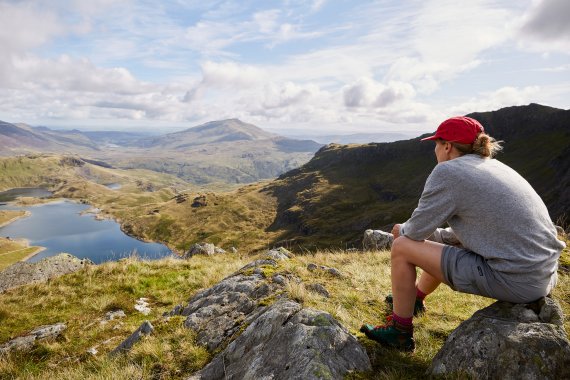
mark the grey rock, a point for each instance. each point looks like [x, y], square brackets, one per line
[220, 311]
[504, 341]
[125, 346]
[335, 272]
[176, 311]
[279, 279]
[319, 289]
[111, 315]
[27, 342]
[49, 331]
[377, 240]
[312, 267]
[332, 271]
[207, 249]
[233, 250]
[279, 254]
[258, 263]
[142, 306]
[24, 273]
[22, 343]
[289, 342]
[266, 335]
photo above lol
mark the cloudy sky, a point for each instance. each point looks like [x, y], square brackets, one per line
[290, 66]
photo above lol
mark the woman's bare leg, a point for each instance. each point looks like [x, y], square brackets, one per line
[427, 283]
[406, 255]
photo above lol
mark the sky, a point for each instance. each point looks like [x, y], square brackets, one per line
[292, 66]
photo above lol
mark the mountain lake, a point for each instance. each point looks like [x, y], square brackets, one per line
[63, 226]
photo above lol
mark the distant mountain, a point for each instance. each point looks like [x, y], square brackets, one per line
[361, 138]
[346, 189]
[226, 151]
[218, 132]
[113, 138]
[13, 136]
[21, 138]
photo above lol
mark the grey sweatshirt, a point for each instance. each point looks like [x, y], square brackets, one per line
[493, 211]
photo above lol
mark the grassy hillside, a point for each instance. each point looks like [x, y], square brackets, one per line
[150, 205]
[82, 299]
[52, 171]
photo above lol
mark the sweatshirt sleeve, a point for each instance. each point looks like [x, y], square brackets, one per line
[436, 206]
[445, 236]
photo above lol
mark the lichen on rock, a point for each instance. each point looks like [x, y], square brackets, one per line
[508, 341]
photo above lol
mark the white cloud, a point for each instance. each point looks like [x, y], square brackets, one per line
[267, 21]
[317, 5]
[546, 27]
[231, 74]
[23, 26]
[502, 97]
[448, 39]
[367, 92]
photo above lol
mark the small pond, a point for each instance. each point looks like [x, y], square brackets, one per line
[114, 186]
[12, 194]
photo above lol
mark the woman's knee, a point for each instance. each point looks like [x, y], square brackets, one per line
[399, 247]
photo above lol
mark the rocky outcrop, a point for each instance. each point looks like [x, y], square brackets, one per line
[289, 342]
[26, 342]
[279, 254]
[377, 240]
[23, 273]
[260, 333]
[508, 341]
[207, 249]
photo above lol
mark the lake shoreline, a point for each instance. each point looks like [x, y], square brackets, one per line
[38, 250]
[96, 211]
[26, 214]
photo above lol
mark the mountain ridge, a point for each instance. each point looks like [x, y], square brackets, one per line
[225, 151]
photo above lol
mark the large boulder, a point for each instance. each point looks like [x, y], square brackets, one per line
[207, 249]
[508, 341]
[258, 332]
[289, 342]
[377, 240]
[23, 273]
[217, 313]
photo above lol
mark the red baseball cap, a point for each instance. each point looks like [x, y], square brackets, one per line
[459, 129]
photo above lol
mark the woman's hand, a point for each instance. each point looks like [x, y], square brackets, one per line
[396, 231]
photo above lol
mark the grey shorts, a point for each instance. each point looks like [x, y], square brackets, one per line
[467, 272]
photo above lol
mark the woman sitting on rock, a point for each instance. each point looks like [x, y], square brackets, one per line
[501, 242]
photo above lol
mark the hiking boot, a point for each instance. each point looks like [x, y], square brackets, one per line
[419, 305]
[391, 335]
